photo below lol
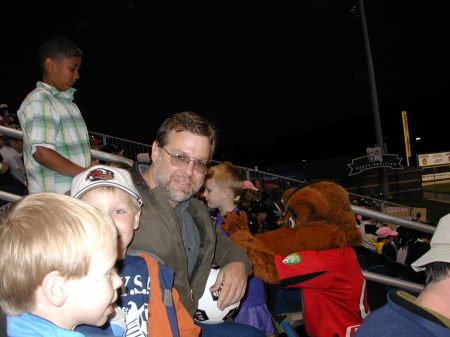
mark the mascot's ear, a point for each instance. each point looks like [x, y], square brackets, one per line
[288, 194]
[308, 202]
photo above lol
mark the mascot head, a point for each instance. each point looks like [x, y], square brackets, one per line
[323, 204]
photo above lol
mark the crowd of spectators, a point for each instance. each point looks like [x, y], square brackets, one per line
[390, 250]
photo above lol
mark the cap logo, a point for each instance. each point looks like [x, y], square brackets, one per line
[100, 174]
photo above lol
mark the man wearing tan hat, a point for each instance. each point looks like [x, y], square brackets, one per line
[427, 314]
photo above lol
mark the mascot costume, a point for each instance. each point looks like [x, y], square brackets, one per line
[312, 251]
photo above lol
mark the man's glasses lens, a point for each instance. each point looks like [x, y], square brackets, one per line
[181, 160]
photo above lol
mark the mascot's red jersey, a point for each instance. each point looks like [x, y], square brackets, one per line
[334, 292]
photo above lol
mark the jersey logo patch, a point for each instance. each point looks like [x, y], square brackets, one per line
[293, 258]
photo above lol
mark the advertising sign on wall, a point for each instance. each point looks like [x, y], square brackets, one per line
[433, 159]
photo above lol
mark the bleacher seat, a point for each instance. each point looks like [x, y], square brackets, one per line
[285, 306]
[363, 261]
[377, 292]
[288, 329]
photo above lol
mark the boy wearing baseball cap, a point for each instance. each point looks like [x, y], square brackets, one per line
[427, 314]
[150, 304]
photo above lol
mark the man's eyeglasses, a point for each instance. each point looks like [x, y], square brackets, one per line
[181, 160]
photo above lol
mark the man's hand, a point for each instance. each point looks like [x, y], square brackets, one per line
[233, 279]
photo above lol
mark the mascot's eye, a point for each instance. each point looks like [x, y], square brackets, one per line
[291, 222]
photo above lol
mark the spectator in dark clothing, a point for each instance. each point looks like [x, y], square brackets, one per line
[416, 249]
[419, 247]
[406, 236]
[389, 251]
[273, 203]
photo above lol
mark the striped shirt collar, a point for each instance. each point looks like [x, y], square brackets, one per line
[67, 94]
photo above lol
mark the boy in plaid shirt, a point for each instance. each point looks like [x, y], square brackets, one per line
[56, 140]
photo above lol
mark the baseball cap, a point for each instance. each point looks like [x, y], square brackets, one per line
[439, 246]
[103, 175]
[249, 185]
[383, 232]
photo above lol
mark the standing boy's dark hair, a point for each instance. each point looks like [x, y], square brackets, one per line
[57, 48]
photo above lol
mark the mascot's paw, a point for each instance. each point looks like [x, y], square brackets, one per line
[233, 222]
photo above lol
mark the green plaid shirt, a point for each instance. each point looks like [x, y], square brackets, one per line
[49, 118]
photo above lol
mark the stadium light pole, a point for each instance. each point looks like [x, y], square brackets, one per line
[374, 98]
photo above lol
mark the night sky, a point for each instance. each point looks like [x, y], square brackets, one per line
[282, 80]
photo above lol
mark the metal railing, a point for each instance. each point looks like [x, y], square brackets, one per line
[392, 281]
[384, 217]
[269, 178]
[133, 149]
[130, 149]
[384, 206]
[111, 158]
[108, 157]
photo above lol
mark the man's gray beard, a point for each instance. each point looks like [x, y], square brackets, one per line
[171, 196]
[165, 188]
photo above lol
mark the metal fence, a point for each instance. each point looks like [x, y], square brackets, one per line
[384, 206]
[269, 178]
[130, 148]
[140, 152]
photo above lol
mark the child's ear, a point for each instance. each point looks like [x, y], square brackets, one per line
[49, 64]
[228, 193]
[54, 288]
[137, 218]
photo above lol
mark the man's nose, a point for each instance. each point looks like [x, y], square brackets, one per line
[190, 168]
